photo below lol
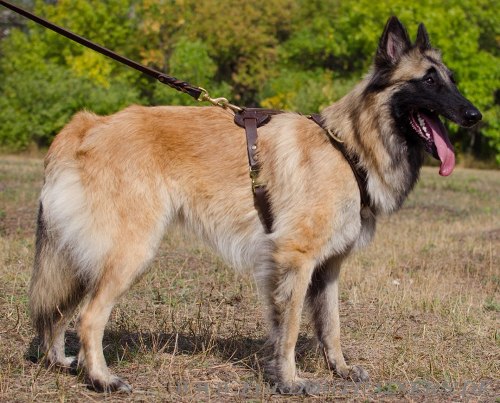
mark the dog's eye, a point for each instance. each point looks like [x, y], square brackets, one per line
[429, 80]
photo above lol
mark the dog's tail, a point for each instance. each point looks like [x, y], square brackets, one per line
[69, 247]
[55, 289]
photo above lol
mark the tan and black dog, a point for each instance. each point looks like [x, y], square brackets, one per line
[115, 184]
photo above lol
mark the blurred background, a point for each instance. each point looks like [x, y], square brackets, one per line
[298, 55]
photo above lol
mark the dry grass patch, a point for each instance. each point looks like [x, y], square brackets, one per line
[420, 309]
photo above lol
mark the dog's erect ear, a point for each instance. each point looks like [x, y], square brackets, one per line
[422, 42]
[393, 43]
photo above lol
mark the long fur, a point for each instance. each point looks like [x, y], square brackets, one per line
[114, 185]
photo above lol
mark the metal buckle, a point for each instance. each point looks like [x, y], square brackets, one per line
[334, 136]
[254, 176]
[222, 102]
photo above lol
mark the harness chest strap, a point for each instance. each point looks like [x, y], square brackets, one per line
[252, 118]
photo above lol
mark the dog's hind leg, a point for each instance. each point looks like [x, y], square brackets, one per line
[120, 270]
[323, 298]
[286, 288]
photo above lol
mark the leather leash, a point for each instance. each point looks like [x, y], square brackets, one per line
[198, 93]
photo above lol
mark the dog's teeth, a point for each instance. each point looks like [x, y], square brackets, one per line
[422, 125]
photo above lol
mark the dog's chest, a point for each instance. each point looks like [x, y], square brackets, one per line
[352, 231]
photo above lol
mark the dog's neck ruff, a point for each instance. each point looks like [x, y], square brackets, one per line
[252, 118]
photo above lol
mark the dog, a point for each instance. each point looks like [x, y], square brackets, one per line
[114, 184]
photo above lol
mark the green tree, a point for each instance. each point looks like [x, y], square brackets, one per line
[340, 38]
[46, 78]
[291, 54]
[240, 37]
[36, 104]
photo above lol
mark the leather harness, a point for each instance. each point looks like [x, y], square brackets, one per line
[252, 118]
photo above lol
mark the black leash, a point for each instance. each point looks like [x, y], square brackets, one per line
[197, 93]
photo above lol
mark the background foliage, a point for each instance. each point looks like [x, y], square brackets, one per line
[292, 54]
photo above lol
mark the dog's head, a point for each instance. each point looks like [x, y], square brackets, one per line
[421, 88]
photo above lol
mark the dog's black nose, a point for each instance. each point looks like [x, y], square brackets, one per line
[472, 115]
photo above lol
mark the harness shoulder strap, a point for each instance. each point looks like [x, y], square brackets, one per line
[353, 160]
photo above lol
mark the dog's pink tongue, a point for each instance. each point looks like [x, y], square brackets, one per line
[443, 144]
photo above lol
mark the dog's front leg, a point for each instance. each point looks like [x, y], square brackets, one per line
[287, 287]
[323, 298]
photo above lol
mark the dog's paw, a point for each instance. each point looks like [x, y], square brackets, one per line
[61, 363]
[354, 373]
[358, 374]
[114, 384]
[298, 387]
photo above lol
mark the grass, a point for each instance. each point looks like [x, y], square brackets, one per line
[419, 309]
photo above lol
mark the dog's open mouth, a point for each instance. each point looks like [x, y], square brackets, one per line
[435, 137]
